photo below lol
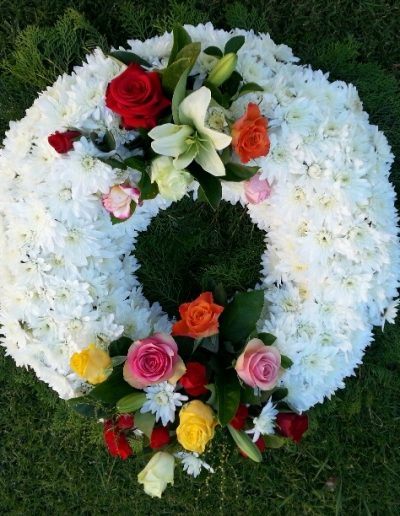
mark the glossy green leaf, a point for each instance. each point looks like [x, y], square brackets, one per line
[87, 407]
[106, 144]
[179, 95]
[213, 51]
[119, 347]
[131, 402]
[241, 315]
[114, 163]
[148, 190]
[286, 362]
[136, 163]
[250, 87]
[237, 172]
[228, 395]
[267, 338]
[112, 389]
[118, 360]
[279, 394]
[231, 85]
[145, 422]
[210, 185]
[185, 60]
[181, 39]
[129, 57]
[245, 444]
[234, 44]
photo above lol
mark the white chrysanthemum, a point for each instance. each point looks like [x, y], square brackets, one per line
[331, 265]
[192, 464]
[162, 400]
[264, 424]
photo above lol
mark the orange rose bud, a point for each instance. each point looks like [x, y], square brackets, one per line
[249, 135]
[199, 318]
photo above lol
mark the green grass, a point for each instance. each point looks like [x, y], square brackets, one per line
[54, 462]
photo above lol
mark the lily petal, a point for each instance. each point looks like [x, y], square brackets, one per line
[193, 109]
[186, 158]
[209, 160]
[220, 140]
[173, 143]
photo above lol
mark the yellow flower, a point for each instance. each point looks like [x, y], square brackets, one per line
[92, 364]
[196, 426]
[157, 474]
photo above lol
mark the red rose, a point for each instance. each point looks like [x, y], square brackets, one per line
[159, 437]
[239, 420]
[137, 96]
[260, 443]
[125, 422]
[292, 425]
[116, 441]
[63, 142]
[195, 379]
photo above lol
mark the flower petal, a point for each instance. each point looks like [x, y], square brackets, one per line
[173, 142]
[186, 158]
[220, 140]
[209, 159]
[193, 109]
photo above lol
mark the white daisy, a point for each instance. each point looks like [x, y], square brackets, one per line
[192, 464]
[265, 422]
[162, 401]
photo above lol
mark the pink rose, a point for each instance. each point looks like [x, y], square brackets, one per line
[259, 365]
[153, 360]
[118, 200]
[257, 190]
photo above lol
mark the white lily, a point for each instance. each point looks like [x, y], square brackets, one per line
[192, 140]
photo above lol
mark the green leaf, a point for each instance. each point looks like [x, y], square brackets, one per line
[286, 362]
[245, 444]
[185, 60]
[234, 44]
[87, 407]
[228, 395]
[148, 190]
[213, 51]
[250, 87]
[267, 338]
[114, 163]
[212, 400]
[179, 95]
[128, 58]
[217, 95]
[131, 402]
[107, 144]
[145, 422]
[136, 163]
[279, 394]
[247, 396]
[210, 185]
[274, 441]
[118, 360]
[239, 318]
[236, 172]
[119, 347]
[220, 296]
[181, 39]
[208, 343]
[112, 389]
[231, 85]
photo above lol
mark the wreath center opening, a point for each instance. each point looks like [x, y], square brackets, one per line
[189, 248]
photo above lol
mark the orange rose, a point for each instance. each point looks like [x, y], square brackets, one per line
[199, 318]
[249, 135]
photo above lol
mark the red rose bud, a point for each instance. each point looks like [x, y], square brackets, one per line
[125, 422]
[117, 443]
[63, 142]
[137, 96]
[260, 443]
[159, 437]
[292, 425]
[239, 420]
[195, 379]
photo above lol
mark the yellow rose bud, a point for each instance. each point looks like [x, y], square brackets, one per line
[92, 364]
[196, 426]
[223, 69]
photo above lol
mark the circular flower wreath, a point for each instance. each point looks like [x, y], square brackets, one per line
[226, 116]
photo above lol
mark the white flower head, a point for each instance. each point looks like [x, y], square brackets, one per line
[390, 313]
[192, 464]
[162, 401]
[265, 422]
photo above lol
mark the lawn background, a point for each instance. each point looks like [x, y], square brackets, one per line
[54, 462]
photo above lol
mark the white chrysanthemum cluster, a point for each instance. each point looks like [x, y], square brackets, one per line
[331, 265]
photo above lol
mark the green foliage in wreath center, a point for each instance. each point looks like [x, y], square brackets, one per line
[189, 248]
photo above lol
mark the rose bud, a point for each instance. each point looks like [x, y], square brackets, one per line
[63, 142]
[256, 189]
[239, 420]
[159, 437]
[250, 135]
[118, 200]
[125, 422]
[199, 318]
[117, 443]
[195, 379]
[292, 425]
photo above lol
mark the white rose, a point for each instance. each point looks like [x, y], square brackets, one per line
[171, 181]
[157, 474]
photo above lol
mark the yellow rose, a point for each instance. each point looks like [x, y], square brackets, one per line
[196, 426]
[157, 474]
[92, 364]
